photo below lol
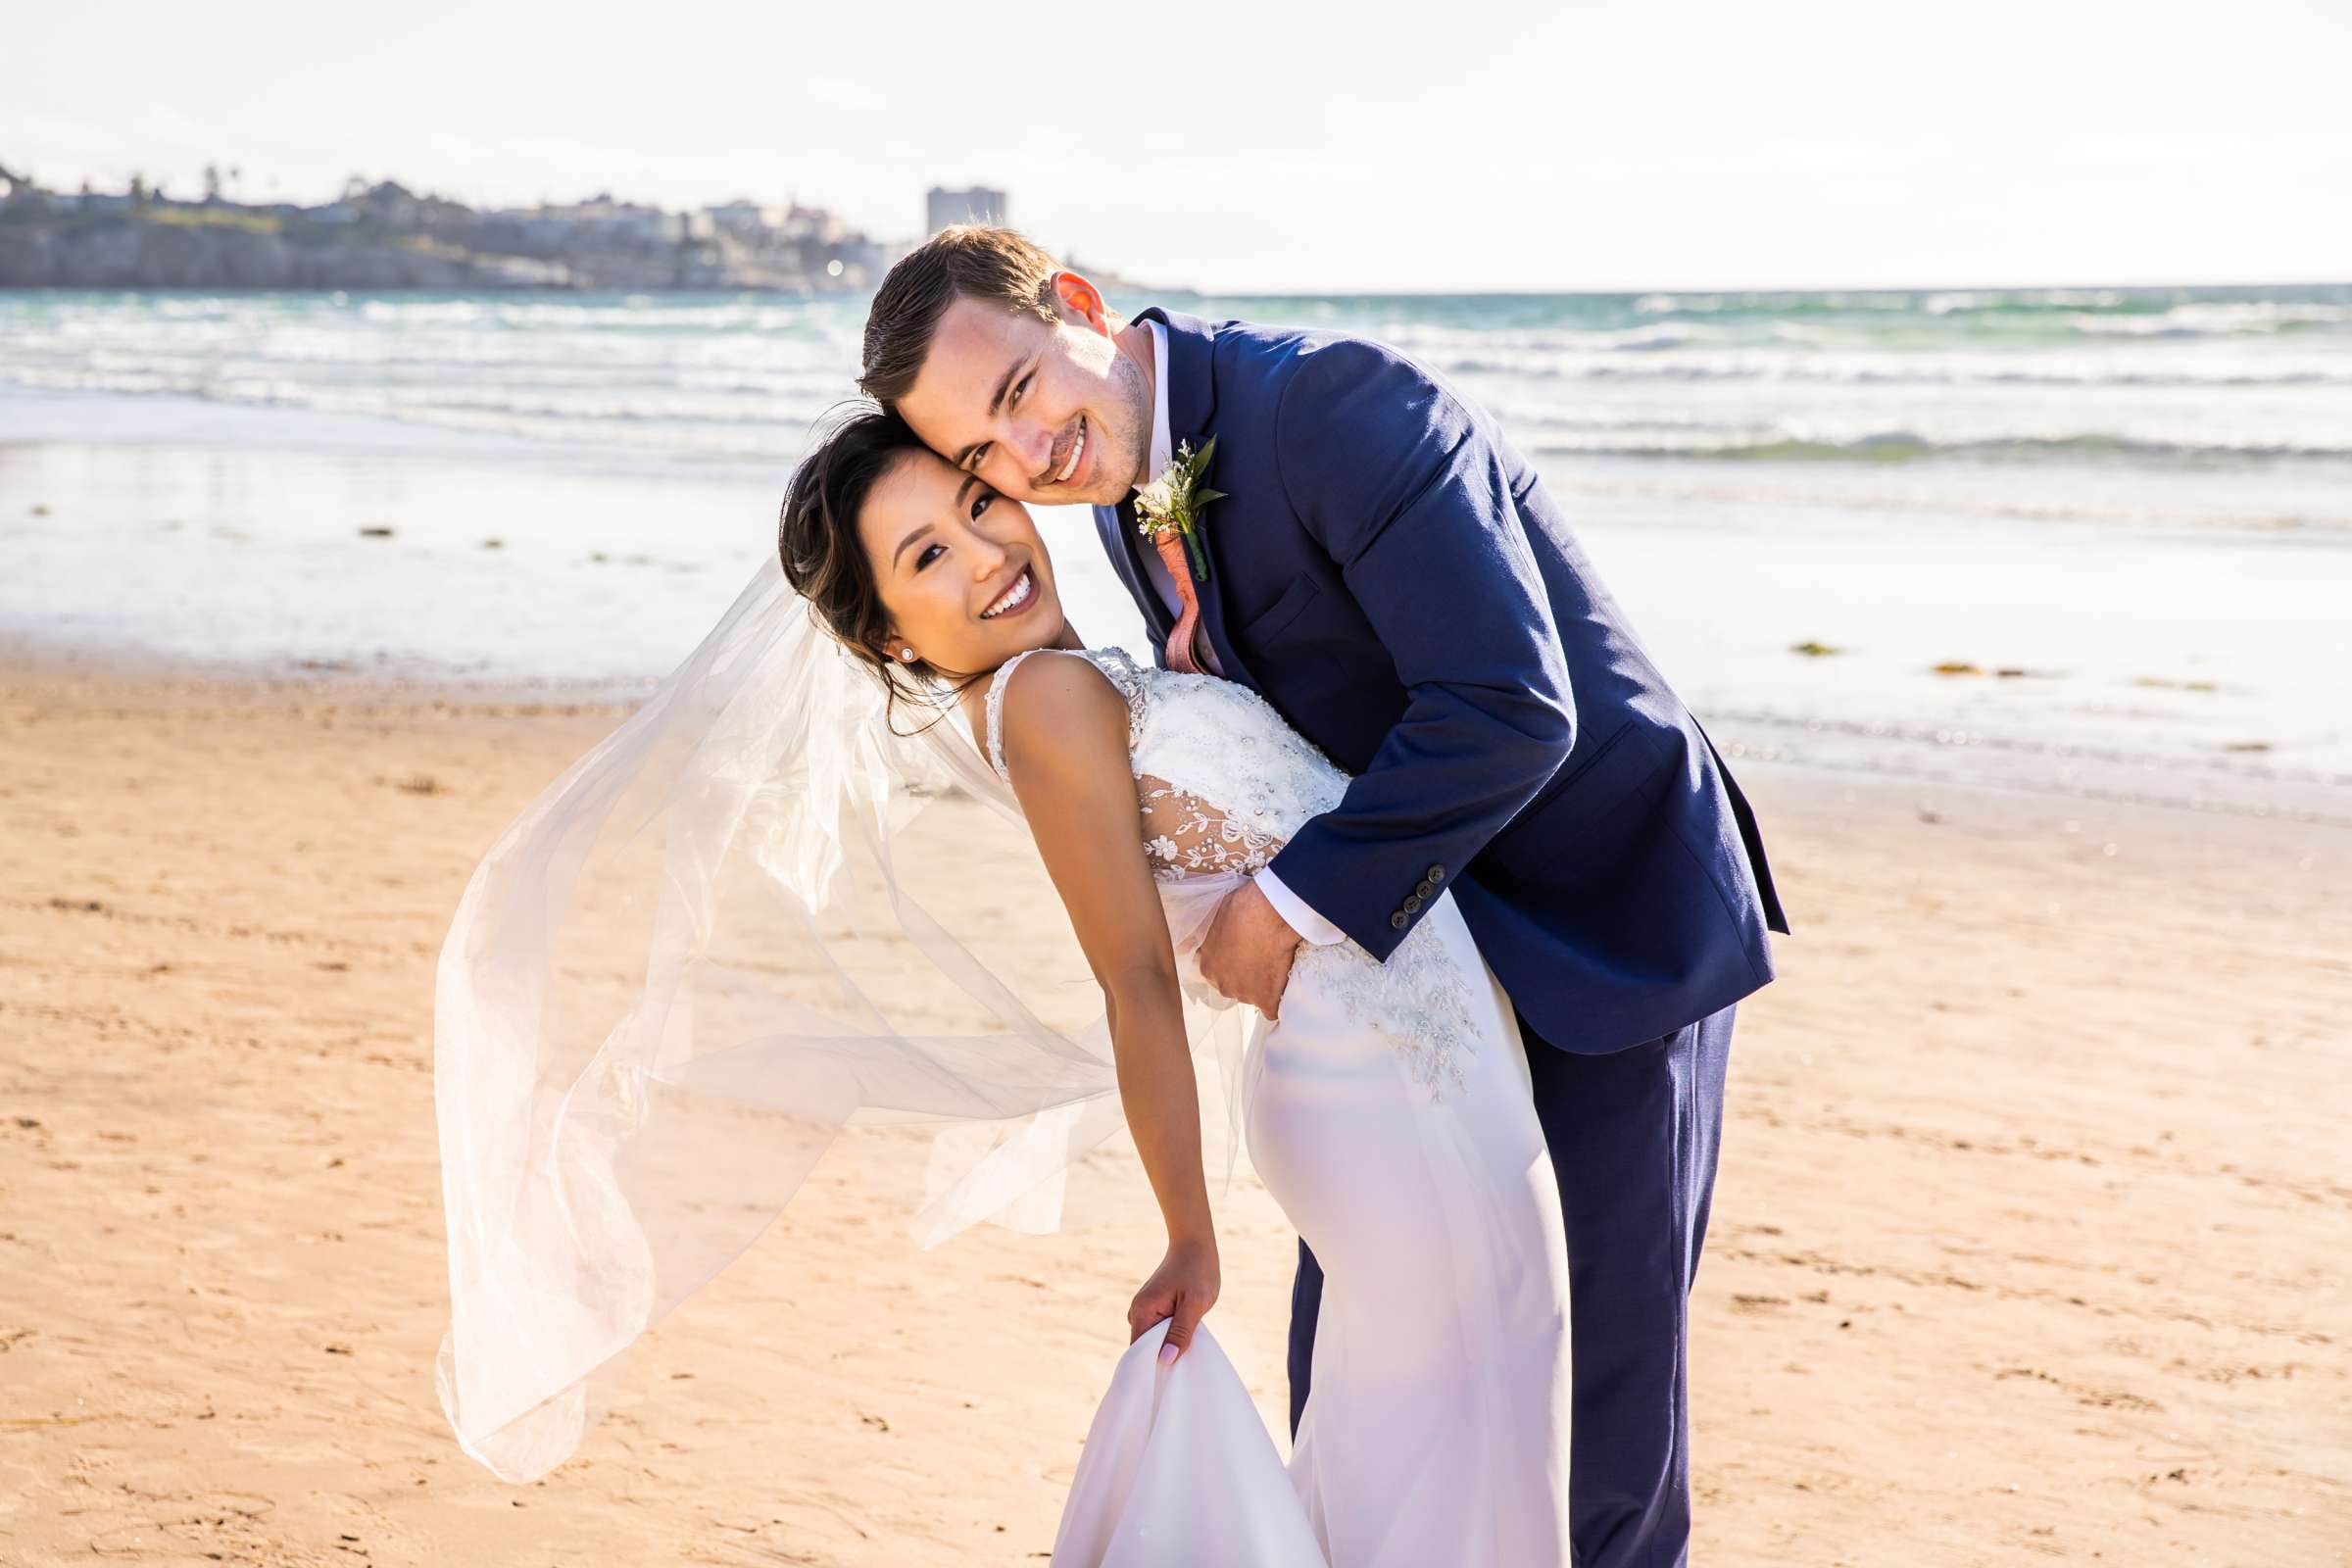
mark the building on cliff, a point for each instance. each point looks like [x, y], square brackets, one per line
[975, 204]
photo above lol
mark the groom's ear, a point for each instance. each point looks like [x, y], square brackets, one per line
[1078, 300]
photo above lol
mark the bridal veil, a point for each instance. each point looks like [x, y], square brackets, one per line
[753, 915]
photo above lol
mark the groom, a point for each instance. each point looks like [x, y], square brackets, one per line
[1390, 573]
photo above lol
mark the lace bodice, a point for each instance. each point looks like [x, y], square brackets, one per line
[1224, 782]
[1196, 740]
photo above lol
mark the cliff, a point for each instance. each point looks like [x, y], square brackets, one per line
[229, 248]
[129, 253]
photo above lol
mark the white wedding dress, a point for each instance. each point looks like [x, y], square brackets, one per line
[1389, 1113]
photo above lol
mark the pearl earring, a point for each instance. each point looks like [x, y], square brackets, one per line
[906, 655]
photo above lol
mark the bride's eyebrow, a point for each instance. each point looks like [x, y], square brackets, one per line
[911, 538]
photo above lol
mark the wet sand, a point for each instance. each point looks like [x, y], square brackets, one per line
[2031, 1240]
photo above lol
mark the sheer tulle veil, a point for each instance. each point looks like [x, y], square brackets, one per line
[752, 916]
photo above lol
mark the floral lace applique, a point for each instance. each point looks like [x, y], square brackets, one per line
[1189, 837]
[1420, 999]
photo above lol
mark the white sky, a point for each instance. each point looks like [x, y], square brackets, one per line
[1451, 145]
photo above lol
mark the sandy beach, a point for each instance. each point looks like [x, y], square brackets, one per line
[2030, 1241]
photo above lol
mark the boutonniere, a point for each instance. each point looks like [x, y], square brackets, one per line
[1174, 503]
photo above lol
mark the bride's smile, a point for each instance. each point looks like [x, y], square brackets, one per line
[1021, 595]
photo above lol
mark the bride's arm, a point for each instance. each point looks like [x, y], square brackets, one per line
[1065, 749]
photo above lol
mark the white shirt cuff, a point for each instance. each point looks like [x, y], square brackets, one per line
[1295, 911]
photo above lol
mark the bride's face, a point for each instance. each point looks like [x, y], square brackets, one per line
[960, 569]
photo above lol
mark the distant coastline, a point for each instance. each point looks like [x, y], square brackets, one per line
[381, 236]
[385, 236]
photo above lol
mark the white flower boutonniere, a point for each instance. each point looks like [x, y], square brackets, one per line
[1175, 501]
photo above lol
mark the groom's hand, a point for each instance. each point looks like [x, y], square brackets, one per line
[1247, 952]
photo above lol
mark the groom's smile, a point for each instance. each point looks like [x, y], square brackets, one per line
[1067, 452]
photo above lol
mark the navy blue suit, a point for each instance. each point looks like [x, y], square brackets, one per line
[1389, 572]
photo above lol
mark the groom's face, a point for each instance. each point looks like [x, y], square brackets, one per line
[1052, 413]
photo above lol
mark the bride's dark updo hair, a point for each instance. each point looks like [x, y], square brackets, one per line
[825, 559]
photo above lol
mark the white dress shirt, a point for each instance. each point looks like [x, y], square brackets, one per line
[1295, 910]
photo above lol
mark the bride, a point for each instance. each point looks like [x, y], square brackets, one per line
[1386, 1106]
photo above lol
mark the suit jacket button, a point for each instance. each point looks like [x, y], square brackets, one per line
[1437, 873]
[1397, 920]
[1425, 889]
[1412, 904]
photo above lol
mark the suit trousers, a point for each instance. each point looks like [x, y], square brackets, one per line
[1632, 1135]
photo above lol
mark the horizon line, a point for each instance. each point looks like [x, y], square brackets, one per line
[1776, 288]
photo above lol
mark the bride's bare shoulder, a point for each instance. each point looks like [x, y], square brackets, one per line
[1058, 713]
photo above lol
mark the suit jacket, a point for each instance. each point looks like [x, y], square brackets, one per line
[1389, 573]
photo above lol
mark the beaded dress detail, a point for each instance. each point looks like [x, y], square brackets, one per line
[1223, 783]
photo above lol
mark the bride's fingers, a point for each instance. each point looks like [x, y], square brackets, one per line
[1187, 1317]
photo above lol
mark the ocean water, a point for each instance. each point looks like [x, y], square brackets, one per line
[2135, 502]
[2190, 378]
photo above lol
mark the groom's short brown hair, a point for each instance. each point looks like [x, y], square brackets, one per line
[969, 262]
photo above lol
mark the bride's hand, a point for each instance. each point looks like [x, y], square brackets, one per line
[1182, 1288]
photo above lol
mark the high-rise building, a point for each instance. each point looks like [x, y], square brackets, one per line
[944, 208]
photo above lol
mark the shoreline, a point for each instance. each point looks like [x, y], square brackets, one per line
[488, 566]
[32, 663]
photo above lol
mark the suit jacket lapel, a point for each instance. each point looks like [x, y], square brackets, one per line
[1191, 417]
[1115, 526]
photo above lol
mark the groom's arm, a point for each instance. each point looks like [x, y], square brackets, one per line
[1397, 480]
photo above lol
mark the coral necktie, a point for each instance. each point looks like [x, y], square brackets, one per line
[1181, 658]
